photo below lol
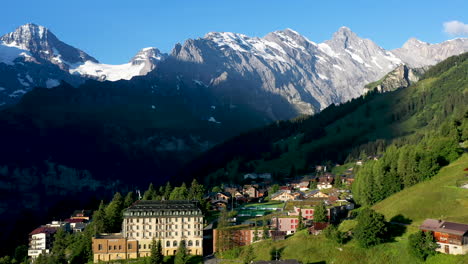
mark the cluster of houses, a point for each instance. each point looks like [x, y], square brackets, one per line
[41, 238]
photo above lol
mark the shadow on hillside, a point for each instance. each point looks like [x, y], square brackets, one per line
[319, 262]
[397, 227]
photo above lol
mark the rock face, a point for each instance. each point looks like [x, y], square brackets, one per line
[296, 71]
[417, 54]
[401, 77]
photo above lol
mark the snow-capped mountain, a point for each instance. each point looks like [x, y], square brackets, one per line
[38, 43]
[281, 74]
[33, 56]
[300, 72]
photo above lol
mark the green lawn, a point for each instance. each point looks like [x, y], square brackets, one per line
[435, 198]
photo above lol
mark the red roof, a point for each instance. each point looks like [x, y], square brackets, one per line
[44, 229]
[74, 220]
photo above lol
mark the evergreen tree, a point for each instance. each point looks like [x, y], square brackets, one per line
[320, 213]
[114, 213]
[156, 252]
[181, 256]
[129, 199]
[21, 253]
[300, 225]
[422, 245]
[59, 246]
[196, 191]
[167, 191]
[249, 255]
[216, 189]
[179, 193]
[150, 193]
[371, 228]
[99, 219]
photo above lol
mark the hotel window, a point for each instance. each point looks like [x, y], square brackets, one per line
[110, 247]
[174, 244]
[99, 247]
[120, 247]
[129, 246]
[168, 244]
[197, 243]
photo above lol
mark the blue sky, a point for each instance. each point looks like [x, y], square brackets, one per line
[114, 30]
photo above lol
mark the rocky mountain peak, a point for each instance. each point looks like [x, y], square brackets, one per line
[415, 43]
[148, 54]
[42, 44]
[344, 38]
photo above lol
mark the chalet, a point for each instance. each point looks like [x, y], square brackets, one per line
[219, 200]
[315, 194]
[286, 196]
[251, 191]
[325, 182]
[451, 237]
[304, 185]
[317, 228]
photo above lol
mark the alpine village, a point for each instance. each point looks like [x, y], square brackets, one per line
[234, 149]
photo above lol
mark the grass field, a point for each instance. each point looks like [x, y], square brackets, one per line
[435, 198]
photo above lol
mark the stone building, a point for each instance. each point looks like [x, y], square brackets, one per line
[168, 221]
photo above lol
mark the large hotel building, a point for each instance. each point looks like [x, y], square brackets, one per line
[168, 221]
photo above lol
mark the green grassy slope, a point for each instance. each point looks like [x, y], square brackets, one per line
[436, 198]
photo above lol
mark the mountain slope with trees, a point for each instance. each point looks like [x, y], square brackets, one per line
[429, 115]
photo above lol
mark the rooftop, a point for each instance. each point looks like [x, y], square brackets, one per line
[444, 227]
[44, 229]
[109, 236]
[163, 207]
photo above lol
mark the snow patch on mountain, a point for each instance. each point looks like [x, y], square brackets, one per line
[50, 83]
[9, 53]
[107, 72]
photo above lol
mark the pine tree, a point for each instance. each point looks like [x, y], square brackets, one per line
[167, 191]
[320, 213]
[59, 246]
[196, 191]
[156, 252]
[99, 219]
[371, 228]
[300, 225]
[181, 256]
[129, 199]
[150, 193]
[421, 244]
[114, 213]
[179, 193]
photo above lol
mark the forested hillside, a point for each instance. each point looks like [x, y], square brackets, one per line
[423, 123]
